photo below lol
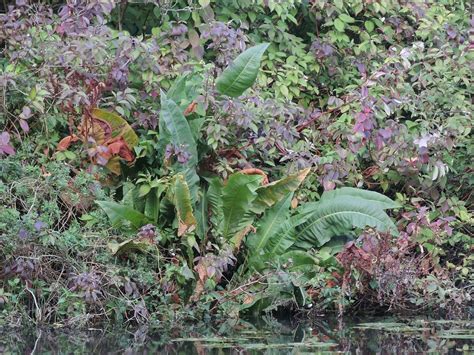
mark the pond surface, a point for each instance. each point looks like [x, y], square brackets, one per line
[266, 336]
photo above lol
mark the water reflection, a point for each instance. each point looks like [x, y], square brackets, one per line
[265, 336]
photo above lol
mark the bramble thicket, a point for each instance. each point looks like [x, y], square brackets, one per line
[200, 159]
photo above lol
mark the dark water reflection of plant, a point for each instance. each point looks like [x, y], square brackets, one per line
[265, 336]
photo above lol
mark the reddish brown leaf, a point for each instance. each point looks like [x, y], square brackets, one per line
[66, 142]
[176, 299]
[191, 108]
[294, 203]
[126, 154]
[115, 147]
[202, 271]
[248, 299]
[119, 147]
[330, 283]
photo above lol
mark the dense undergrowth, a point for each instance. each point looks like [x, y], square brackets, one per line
[186, 160]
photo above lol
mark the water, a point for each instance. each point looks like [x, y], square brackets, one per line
[265, 336]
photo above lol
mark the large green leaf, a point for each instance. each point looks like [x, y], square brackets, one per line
[373, 197]
[202, 216]
[152, 204]
[336, 217]
[153, 199]
[269, 194]
[242, 73]
[181, 197]
[237, 197]
[299, 260]
[214, 193]
[196, 125]
[174, 129]
[177, 91]
[185, 89]
[273, 236]
[118, 213]
[272, 222]
[129, 192]
[192, 179]
[214, 196]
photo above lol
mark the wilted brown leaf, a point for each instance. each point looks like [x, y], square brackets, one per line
[66, 142]
[191, 108]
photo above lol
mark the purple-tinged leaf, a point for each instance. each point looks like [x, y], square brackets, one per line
[24, 126]
[5, 147]
[39, 225]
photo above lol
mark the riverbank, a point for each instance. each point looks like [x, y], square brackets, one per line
[234, 159]
[349, 335]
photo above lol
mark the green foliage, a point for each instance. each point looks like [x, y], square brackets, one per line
[316, 223]
[237, 203]
[181, 198]
[273, 192]
[216, 210]
[273, 235]
[128, 246]
[238, 195]
[363, 196]
[175, 130]
[242, 73]
[119, 213]
[319, 222]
